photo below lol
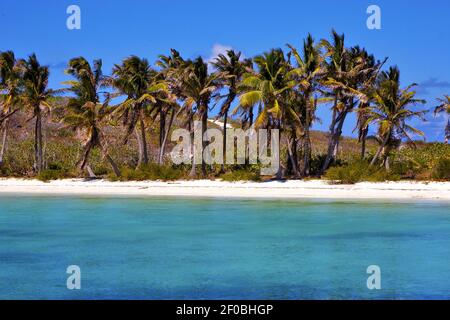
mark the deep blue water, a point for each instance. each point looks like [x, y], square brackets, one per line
[222, 249]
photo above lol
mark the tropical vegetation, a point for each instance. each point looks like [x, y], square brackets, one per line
[118, 125]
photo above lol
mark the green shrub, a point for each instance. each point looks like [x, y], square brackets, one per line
[420, 162]
[441, 170]
[358, 171]
[101, 170]
[241, 175]
[5, 171]
[318, 160]
[51, 174]
[381, 175]
[148, 172]
[19, 158]
[423, 156]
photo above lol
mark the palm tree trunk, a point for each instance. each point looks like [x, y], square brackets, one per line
[113, 165]
[204, 128]
[292, 150]
[85, 155]
[306, 151]
[387, 165]
[224, 147]
[166, 135]
[335, 135]
[4, 138]
[336, 150]
[140, 147]
[143, 139]
[109, 159]
[279, 174]
[363, 128]
[250, 124]
[447, 131]
[162, 126]
[38, 141]
[363, 139]
[191, 128]
[363, 148]
[307, 141]
[44, 147]
[90, 172]
[380, 149]
[331, 134]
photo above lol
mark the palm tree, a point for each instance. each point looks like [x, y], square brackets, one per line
[366, 81]
[294, 125]
[171, 68]
[167, 106]
[345, 69]
[336, 67]
[268, 86]
[199, 87]
[35, 96]
[444, 107]
[10, 89]
[85, 112]
[134, 79]
[308, 74]
[391, 112]
[230, 70]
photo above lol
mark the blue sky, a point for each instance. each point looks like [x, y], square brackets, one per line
[414, 35]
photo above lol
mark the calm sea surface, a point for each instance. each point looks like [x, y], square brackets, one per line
[222, 249]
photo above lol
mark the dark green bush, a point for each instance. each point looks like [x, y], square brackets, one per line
[318, 160]
[441, 170]
[148, 172]
[101, 169]
[241, 175]
[52, 174]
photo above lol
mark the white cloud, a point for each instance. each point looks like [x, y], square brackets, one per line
[218, 49]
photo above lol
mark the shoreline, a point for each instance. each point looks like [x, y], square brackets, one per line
[312, 189]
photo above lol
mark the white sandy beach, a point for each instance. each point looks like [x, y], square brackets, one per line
[207, 188]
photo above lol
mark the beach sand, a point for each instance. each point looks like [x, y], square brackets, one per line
[313, 189]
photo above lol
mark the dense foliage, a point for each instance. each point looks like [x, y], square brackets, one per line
[82, 131]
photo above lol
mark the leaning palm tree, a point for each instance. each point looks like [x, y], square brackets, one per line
[268, 86]
[134, 78]
[10, 89]
[444, 106]
[391, 111]
[230, 70]
[199, 87]
[345, 70]
[35, 95]
[85, 112]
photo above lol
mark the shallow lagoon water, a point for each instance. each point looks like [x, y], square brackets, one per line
[144, 248]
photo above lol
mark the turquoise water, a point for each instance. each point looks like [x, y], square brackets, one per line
[222, 249]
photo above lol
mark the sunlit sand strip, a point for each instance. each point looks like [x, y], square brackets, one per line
[207, 188]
